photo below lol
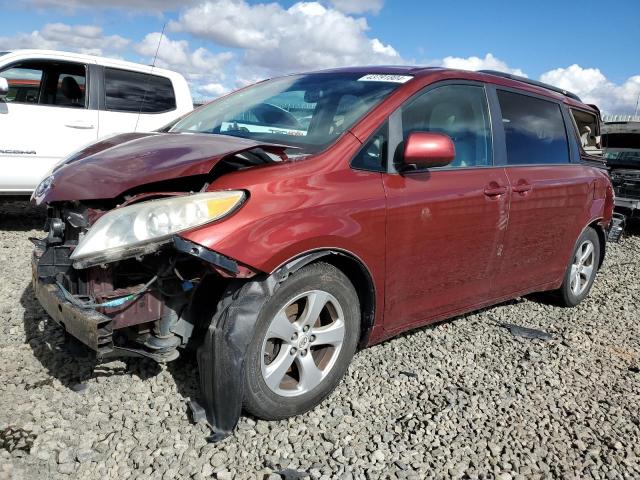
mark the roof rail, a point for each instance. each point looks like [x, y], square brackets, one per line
[532, 82]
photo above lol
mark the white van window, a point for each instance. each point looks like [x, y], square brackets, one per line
[127, 91]
[47, 83]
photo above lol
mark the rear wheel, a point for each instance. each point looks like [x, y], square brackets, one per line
[305, 338]
[582, 269]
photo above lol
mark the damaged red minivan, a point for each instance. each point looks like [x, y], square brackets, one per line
[277, 229]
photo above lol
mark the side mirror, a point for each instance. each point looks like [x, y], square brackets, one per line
[427, 150]
[4, 88]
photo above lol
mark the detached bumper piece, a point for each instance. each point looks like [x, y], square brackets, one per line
[617, 227]
[222, 354]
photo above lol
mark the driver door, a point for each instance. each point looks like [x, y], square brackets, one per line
[445, 226]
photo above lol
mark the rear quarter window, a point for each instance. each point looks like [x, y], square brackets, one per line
[127, 91]
[534, 130]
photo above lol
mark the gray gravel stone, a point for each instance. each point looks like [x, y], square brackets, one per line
[482, 403]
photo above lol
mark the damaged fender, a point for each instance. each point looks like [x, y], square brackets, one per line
[222, 354]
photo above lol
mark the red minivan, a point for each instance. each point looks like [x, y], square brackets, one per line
[280, 227]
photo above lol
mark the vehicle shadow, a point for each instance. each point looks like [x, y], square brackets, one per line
[20, 215]
[432, 325]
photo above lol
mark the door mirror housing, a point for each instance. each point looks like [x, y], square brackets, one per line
[427, 150]
[4, 88]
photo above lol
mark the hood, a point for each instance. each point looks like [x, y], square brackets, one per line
[111, 167]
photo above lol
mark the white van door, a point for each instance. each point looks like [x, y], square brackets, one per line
[135, 101]
[43, 119]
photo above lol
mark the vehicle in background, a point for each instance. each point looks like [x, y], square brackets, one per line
[621, 144]
[54, 103]
[275, 244]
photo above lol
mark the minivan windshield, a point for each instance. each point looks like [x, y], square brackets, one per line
[305, 111]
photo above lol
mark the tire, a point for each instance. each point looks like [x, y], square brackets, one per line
[572, 293]
[281, 340]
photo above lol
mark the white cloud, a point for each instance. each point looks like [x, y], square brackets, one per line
[592, 86]
[59, 36]
[214, 89]
[358, 6]
[489, 62]
[202, 68]
[275, 40]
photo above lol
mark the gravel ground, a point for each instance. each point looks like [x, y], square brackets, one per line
[464, 399]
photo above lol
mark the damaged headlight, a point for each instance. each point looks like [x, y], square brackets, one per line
[138, 229]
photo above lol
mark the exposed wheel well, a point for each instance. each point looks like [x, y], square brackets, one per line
[363, 283]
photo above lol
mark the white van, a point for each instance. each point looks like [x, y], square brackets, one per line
[54, 103]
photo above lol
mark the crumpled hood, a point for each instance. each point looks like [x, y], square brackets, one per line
[108, 168]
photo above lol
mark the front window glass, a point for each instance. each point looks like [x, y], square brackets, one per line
[305, 111]
[373, 155]
[47, 83]
[24, 84]
[459, 111]
[534, 130]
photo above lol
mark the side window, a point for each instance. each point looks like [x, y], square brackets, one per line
[534, 130]
[588, 130]
[127, 91]
[47, 83]
[373, 154]
[24, 84]
[459, 111]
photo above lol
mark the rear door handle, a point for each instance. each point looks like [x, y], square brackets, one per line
[521, 188]
[80, 125]
[494, 190]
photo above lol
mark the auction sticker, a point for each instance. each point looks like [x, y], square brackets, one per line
[384, 77]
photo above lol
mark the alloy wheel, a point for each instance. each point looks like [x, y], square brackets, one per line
[582, 268]
[302, 343]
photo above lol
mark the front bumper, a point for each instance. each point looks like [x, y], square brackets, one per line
[87, 325]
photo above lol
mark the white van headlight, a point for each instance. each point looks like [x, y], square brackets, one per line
[141, 228]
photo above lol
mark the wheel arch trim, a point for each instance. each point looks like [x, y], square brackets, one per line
[368, 298]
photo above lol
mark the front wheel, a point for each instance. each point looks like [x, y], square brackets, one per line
[305, 337]
[582, 269]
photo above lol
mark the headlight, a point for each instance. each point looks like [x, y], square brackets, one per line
[43, 186]
[141, 228]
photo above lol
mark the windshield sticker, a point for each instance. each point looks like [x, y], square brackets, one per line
[384, 77]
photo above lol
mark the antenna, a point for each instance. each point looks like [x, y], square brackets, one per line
[153, 65]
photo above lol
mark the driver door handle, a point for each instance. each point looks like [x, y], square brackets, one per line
[494, 190]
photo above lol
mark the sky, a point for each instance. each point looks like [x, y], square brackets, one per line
[588, 47]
